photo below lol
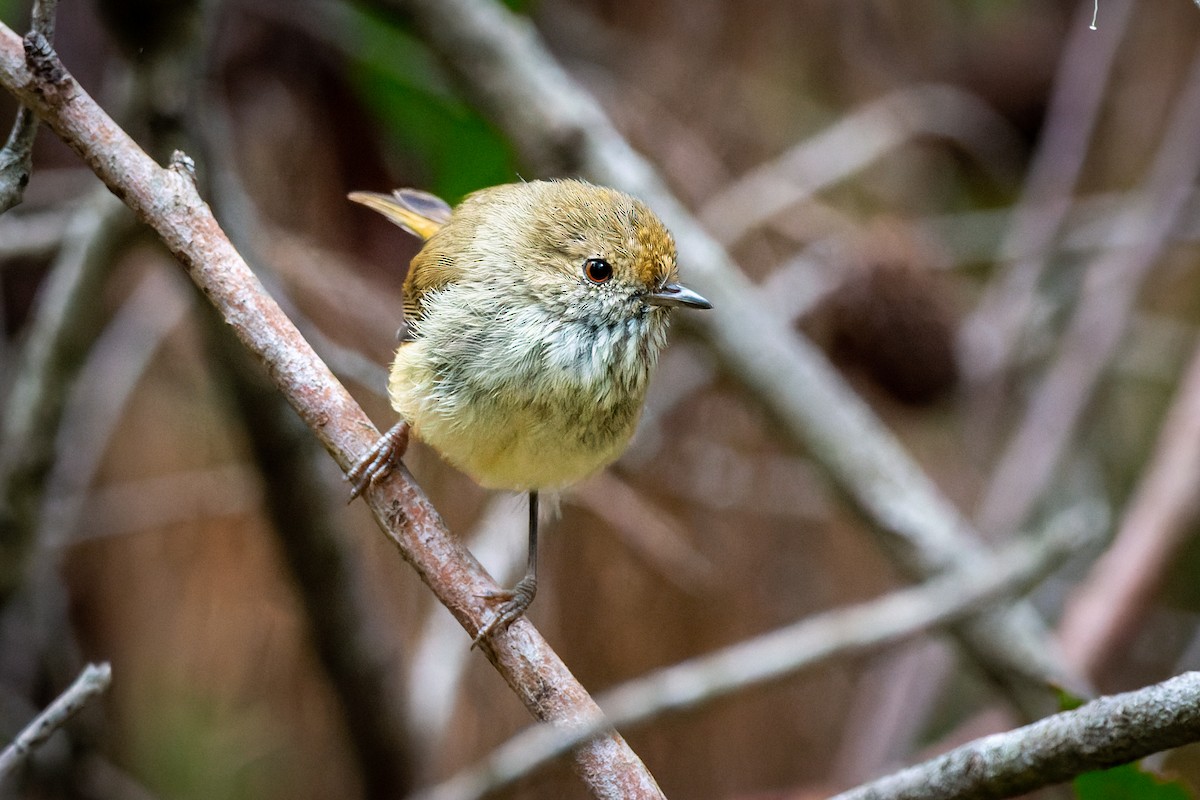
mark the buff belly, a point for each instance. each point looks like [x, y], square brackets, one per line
[522, 442]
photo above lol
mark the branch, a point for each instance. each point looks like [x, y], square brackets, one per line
[16, 157]
[989, 337]
[560, 128]
[1110, 290]
[168, 201]
[97, 401]
[849, 145]
[1106, 610]
[784, 652]
[93, 681]
[1104, 733]
[65, 322]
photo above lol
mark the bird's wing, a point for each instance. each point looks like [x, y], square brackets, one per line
[421, 214]
[432, 268]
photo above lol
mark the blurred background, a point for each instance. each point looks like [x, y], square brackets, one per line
[982, 212]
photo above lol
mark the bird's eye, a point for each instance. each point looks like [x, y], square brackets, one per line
[597, 270]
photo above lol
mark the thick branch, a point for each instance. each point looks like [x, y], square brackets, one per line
[559, 127]
[1104, 733]
[168, 201]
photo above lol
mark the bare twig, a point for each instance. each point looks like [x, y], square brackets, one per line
[168, 201]
[66, 317]
[100, 394]
[1092, 224]
[1105, 611]
[16, 157]
[558, 127]
[1104, 733]
[849, 145]
[1106, 303]
[92, 682]
[990, 335]
[784, 652]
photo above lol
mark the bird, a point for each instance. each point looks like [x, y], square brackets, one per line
[534, 314]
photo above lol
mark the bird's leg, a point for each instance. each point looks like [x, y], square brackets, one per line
[516, 600]
[379, 460]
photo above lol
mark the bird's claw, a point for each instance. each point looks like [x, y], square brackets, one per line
[379, 460]
[514, 603]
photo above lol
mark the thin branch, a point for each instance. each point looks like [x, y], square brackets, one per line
[1104, 733]
[558, 127]
[784, 652]
[168, 201]
[850, 145]
[91, 683]
[1105, 611]
[16, 157]
[1095, 330]
[42, 18]
[100, 394]
[64, 323]
[990, 335]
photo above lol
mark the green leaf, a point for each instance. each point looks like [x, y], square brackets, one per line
[1068, 701]
[1127, 782]
[14, 13]
[428, 125]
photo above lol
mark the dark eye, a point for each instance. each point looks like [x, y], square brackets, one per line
[597, 270]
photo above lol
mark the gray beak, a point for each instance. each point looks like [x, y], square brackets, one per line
[673, 295]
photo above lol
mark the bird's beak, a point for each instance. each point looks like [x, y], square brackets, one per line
[673, 295]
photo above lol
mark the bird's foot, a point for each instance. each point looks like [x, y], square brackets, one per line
[379, 460]
[513, 603]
